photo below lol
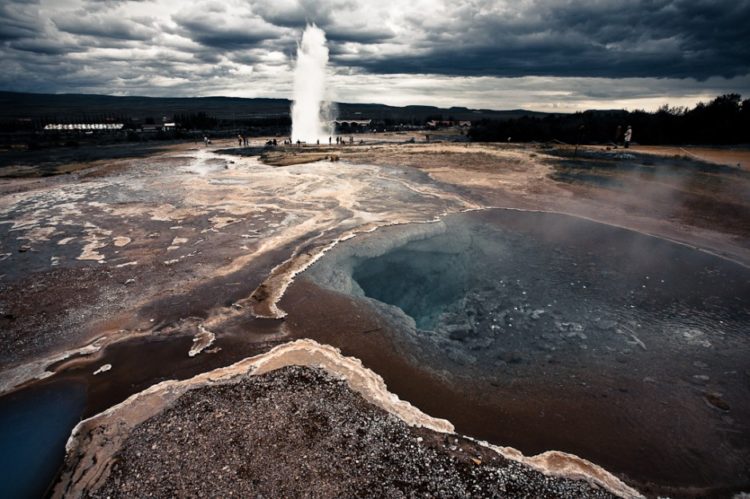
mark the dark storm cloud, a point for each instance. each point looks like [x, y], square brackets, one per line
[102, 26]
[421, 48]
[296, 15]
[19, 20]
[357, 34]
[44, 46]
[657, 38]
[639, 38]
[243, 33]
[333, 17]
[208, 35]
[104, 5]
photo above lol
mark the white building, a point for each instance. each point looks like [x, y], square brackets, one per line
[83, 126]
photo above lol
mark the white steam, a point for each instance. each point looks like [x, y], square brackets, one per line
[311, 110]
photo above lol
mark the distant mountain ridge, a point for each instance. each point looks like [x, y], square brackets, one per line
[20, 105]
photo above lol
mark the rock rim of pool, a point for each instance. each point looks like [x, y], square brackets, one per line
[94, 442]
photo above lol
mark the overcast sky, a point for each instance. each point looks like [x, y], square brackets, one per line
[536, 54]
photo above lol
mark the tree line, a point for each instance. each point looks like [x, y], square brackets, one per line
[724, 120]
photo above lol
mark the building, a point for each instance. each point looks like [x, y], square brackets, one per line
[85, 127]
[448, 124]
[352, 123]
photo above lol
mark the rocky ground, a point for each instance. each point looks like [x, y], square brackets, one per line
[299, 432]
[149, 246]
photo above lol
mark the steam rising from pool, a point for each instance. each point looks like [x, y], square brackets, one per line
[310, 110]
[560, 333]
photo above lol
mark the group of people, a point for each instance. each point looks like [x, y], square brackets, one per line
[243, 141]
[339, 141]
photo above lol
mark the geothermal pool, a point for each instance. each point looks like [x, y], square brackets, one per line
[544, 331]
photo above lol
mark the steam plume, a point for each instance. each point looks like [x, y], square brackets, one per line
[310, 109]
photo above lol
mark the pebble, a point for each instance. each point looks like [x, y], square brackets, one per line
[715, 400]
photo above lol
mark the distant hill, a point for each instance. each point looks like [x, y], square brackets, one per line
[77, 107]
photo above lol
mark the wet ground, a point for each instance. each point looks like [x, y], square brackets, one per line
[680, 188]
[151, 239]
[126, 261]
[67, 160]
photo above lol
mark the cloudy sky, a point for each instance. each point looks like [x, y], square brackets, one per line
[536, 54]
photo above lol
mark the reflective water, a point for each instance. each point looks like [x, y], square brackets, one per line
[34, 426]
[548, 287]
[568, 334]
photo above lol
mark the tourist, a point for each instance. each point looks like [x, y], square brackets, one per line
[329, 140]
[239, 140]
[628, 136]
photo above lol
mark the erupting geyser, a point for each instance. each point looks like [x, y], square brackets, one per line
[310, 107]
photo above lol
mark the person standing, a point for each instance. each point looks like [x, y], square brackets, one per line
[628, 136]
[239, 140]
